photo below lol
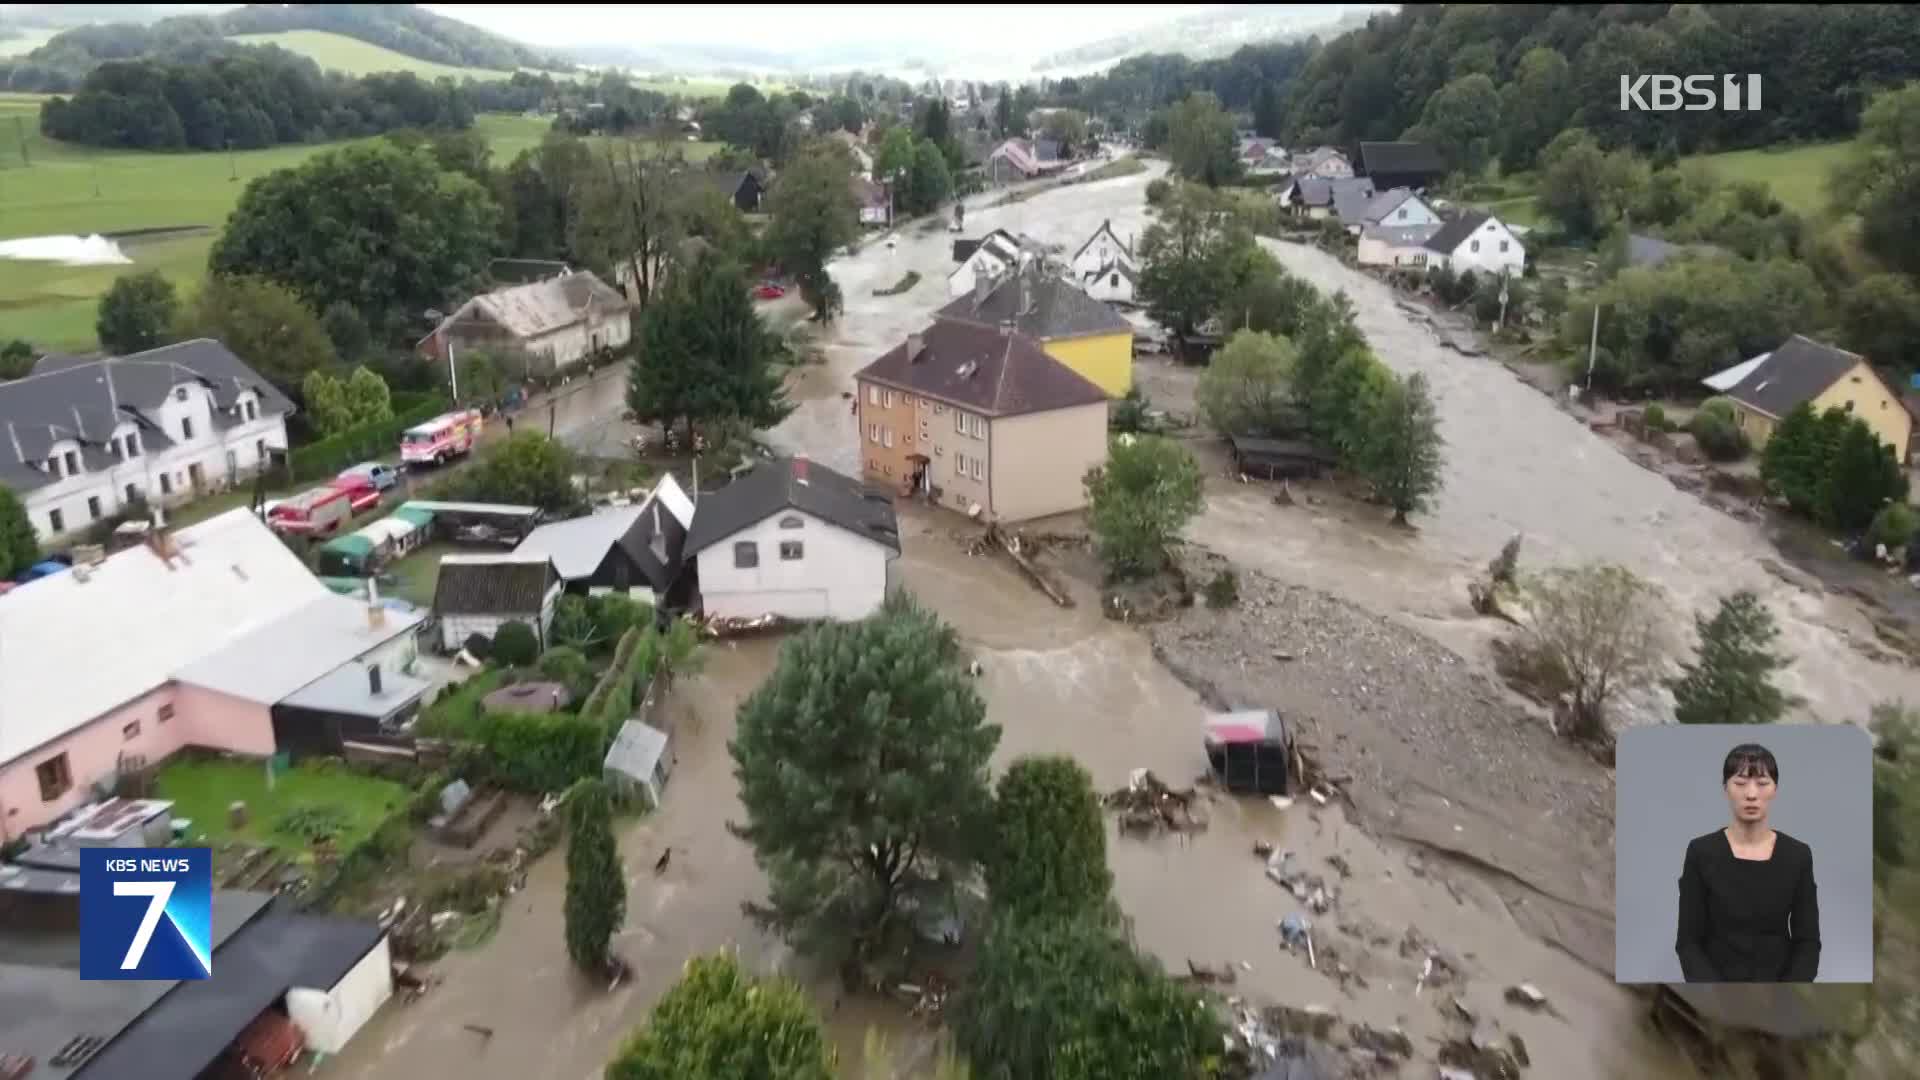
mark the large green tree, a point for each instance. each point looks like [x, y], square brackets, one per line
[596, 899]
[1267, 115]
[19, 544]
[1401, 454]
[1881, 182]
[338, 405]
[1192, 258]
[812, 216]
[928, 182]
[1880, 319]
[628, 218]
[1831, 467]
[383, 229]
[1730, 680]
[1138, 502]
[529, 469]
[1344, 403]
[137, 313]
[1462, 118]
[1247, 387]
[705, 354]
[1863, 477]
[862, 763]
[1585, 189]
[265, 324]
[1202, 147]
[720, 1023]
[1049, 854]
[896, 154]
[1068, 999]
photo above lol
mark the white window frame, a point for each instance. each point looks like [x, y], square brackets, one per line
[886, 437]
[959, 421]
[873, 394]
[873, 434]
[886, 399]
[959, 463]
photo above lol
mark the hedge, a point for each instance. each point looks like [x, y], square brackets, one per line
[612, 702]
[541, 752]
[325, 458]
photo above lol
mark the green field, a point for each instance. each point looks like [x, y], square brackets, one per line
[338, 52]
[62, 188]
[203, 790]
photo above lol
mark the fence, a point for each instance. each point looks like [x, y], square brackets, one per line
[326, 457]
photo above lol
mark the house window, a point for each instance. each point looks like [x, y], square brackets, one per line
[56, 779]
[1849, 404]
[1503, 247]
[886, 399]
[746, 555]
[133, 492]
[1476, 245]
[166, 713]
[1401, 213]
[72, 459]
[260, 450]
[792, 521]
[959, 464]
[873, 433]
[186, 427]
[131, 731]
[959, 421]
[53, 466]
[93, 508]
[979, 426]
[56, 521]
[873, 394]
[1114, 281]
[166, 483]
[886, 438]
[791, 551]
[253, 409]
[974, 464]
[179, 393]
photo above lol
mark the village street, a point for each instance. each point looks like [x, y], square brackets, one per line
[1067, 680]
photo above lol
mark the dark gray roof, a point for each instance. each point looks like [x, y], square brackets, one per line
[1046, 151]
[193, 1025]
[1053, 308]
[1105, 227]
[74, 398]
[44, 1005]
[1454, 232]
[656, 544]
[1401, 157]
[492, 585]
[1352, 192]
[1792, 375]
[1652, 251]
[984, 368]
[798, 484]
[1386, 202]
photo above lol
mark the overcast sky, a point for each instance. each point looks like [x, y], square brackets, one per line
[1040, 28]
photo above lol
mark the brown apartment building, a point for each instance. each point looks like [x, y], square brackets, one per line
[980, 416]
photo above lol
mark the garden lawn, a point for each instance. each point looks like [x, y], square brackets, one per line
[1797, 174]
[419, 573]
[202, 790]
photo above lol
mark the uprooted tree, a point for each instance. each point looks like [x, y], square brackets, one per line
[1596, 631]
[863, 766]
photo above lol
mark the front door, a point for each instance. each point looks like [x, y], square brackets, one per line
[197, 477]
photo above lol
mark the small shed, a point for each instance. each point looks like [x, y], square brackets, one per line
[638, 761]
[1278, 459]
[1248, 751]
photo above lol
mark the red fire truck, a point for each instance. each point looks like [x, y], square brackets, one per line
[440, 439]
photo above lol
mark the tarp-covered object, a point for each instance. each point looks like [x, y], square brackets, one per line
[1248, 750]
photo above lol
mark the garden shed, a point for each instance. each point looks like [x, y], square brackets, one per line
[638, 761]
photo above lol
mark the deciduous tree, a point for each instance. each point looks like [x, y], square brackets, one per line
[1139, 501]
[928, 183]
[596, 897]
[705, 354]
[1202, 147]
[529, 469]
[1881, 182]
[812, 218]
[1463, 119]
[1603, 628]
[1247, 387]
[265, 324]
[1730, 680]
[1067, 999]
[1049, 854]
[862, 763]
[720, 1023]
[137, 313]
[1190, 258]
[19, 544]
[1402, 452]
[385, 230]
[627, 218]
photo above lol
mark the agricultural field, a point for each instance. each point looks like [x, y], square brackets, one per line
[54, 188]
[338, 52]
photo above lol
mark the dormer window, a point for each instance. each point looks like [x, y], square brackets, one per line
[72, 458]
[179, 393]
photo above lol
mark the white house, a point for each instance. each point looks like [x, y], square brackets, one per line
[1477, 241]
[549, 325]
[84, 439]
[1113, 282]
[793, 539]
[1102, 249]
[997, 253]
[1400, 208]
[1395, 245]
[476, 594]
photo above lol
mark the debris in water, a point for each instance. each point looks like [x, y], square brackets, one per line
[1262, 848]
[1527, 996]
[1384, 1044]
[1147, 803]
[1280, 802]
[1293, 930]
[1519, 1050]
[1339, 863]
[1318, 796]
[1208, 975]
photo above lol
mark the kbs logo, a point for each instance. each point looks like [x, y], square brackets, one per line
[146, 913]
[1662, 93]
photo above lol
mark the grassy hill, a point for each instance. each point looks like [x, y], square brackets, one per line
[63, 188]
[338, 52]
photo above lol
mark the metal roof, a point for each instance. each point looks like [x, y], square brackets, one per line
[636, 750]
[304, 645]
[346, 690]
[798, 484]
[578, 545]
[80, 644]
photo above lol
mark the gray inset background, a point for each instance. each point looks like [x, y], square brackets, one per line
[1668, 791]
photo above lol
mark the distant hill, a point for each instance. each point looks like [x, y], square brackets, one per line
[404, 28]
[351, 56]
[1209, 34]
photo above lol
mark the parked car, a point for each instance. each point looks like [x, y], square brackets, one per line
[361, 493]
[767, 290]
[382, 476]
[318, 512]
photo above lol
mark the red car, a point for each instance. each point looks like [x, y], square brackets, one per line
[767, 290]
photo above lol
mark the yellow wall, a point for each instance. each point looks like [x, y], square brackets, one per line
[1873, 403]
[1758, 427]
[1105, 360]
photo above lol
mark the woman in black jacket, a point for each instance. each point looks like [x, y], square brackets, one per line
[1748, 906]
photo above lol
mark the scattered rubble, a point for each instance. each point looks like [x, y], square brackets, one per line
[1147, 804]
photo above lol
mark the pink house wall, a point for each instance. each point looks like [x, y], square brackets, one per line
[200, 718]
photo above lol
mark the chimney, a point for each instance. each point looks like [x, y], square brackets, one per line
[373, 679]
[376, 615]
[915, 343]
[799, 468]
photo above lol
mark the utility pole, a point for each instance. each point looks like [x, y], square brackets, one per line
[1593, 347]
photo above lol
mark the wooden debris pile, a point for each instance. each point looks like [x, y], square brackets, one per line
[1147, 804]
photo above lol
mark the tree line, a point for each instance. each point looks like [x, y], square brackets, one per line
[243, 99]
[1125, 95]
[1488, 82]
